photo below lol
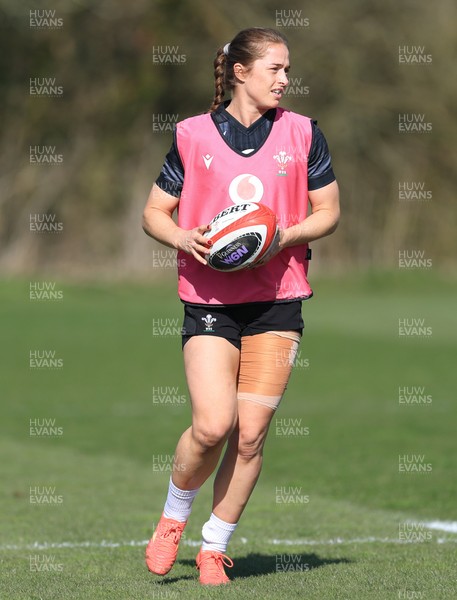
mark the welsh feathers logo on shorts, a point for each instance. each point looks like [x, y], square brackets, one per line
[209, 320]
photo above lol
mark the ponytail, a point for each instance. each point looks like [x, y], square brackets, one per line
[219, 79]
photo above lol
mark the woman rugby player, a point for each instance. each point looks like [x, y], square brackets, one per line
[236, 325]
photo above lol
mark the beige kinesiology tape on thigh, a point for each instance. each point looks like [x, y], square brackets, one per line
[265, 365]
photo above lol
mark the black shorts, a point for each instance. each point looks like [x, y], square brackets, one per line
[234, 322]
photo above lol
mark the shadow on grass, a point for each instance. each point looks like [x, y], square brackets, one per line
[263, 564]
[165, 580]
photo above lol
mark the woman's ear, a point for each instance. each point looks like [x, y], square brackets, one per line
[239, 71]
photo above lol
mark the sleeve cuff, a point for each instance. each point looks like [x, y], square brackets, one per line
[170, 187]
[319, 182]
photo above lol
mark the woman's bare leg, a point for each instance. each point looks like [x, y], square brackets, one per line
[211, 366]
[242, 462]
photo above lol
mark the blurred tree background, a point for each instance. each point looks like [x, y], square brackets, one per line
[101, 53]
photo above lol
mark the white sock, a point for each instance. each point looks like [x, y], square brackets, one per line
[179, 503]
[217, 533]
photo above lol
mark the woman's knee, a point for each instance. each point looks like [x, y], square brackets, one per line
[210, 434]
[250, 442]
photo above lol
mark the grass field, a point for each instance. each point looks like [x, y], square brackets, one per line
[335, 514]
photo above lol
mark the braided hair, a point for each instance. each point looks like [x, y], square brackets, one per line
[246, 47]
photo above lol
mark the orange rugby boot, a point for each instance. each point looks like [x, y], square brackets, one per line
[211, 565]
[162, 549]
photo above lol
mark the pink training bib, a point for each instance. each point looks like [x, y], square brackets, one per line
[216, 176]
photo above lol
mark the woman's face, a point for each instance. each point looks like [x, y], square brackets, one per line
[263, 84]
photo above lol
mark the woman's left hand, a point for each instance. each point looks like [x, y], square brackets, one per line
[272, 250]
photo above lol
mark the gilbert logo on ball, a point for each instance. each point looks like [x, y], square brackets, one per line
[240, 236]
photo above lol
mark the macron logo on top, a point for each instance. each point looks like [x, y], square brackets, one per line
[208, 160]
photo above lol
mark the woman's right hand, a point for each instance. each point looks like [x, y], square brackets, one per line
[192, 241]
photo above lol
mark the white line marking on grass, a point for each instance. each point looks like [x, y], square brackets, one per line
[336, 541]
[449, 526]
[51, 545]
[276, 542]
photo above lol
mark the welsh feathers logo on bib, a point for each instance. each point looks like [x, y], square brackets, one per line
[282, 159]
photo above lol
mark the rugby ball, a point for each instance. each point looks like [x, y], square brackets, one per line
[240, 235]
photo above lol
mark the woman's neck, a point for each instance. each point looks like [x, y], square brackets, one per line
[245, 114]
